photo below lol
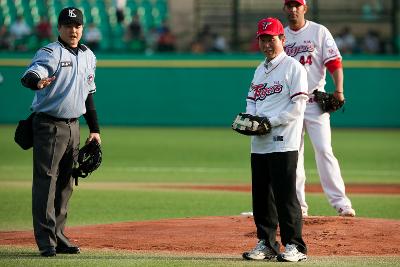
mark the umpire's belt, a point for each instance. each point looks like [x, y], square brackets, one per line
[47, 116]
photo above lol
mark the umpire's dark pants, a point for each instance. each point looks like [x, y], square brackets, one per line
[55, 149]
[275, 200]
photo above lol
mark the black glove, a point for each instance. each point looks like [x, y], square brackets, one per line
[251, 125]
[89, 159]
[327, 102]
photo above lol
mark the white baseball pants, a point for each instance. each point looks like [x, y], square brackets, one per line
[317, 125]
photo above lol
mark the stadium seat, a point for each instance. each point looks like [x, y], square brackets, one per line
[161, 6]
[118, 43]
[102, 12]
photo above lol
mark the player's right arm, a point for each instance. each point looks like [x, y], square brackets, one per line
[40, 73]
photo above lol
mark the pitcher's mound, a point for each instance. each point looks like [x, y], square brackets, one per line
[229, 236]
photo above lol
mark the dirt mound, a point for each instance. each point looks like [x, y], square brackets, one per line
[229, 235]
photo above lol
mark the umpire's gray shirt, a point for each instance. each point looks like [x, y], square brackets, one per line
[65, 97]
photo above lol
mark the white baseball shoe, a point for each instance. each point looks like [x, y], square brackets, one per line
[292, 254]
[260, 252]
[347, 212]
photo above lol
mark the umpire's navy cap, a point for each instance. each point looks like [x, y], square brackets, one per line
[70, 15]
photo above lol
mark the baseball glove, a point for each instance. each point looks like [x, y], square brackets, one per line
[89, 159]
[327, 101]
[251, 125]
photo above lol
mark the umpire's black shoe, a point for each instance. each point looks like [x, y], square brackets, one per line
[63, 249]
[48, 252]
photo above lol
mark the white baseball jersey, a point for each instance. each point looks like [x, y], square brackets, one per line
[278, 91]
[313, 46]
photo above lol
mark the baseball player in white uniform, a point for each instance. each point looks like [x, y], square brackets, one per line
[278, 92]
[314, 47]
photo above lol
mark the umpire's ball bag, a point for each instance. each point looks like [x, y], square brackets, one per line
[24, 133]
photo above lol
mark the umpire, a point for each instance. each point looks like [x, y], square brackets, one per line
[62, 76]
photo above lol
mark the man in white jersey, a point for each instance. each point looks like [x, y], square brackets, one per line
[278, 91]
[62, 76]
[314, 47]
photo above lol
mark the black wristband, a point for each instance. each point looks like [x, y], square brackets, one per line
[30, 80]
[91, 120]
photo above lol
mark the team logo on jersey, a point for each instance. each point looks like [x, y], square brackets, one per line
[66, 64]
[332, 52]
[261, 91]
[293, 49]
[90, 78]
[329, 42]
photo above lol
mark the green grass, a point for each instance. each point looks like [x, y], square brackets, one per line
[29, 257]
[191, 155]
[106, 206]
[95, 206]
[134, 157]
[212, 155]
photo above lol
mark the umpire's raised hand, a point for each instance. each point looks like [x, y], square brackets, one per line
[45, 82]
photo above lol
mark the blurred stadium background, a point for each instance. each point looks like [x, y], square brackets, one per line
[233, 20]
[190, 62]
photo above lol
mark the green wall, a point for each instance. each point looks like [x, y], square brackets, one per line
[184, 90]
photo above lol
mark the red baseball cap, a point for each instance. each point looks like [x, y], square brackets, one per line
[301, 2]
[270, 26]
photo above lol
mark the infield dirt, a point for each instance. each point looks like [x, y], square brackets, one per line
[233, 235]
[229, 236]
